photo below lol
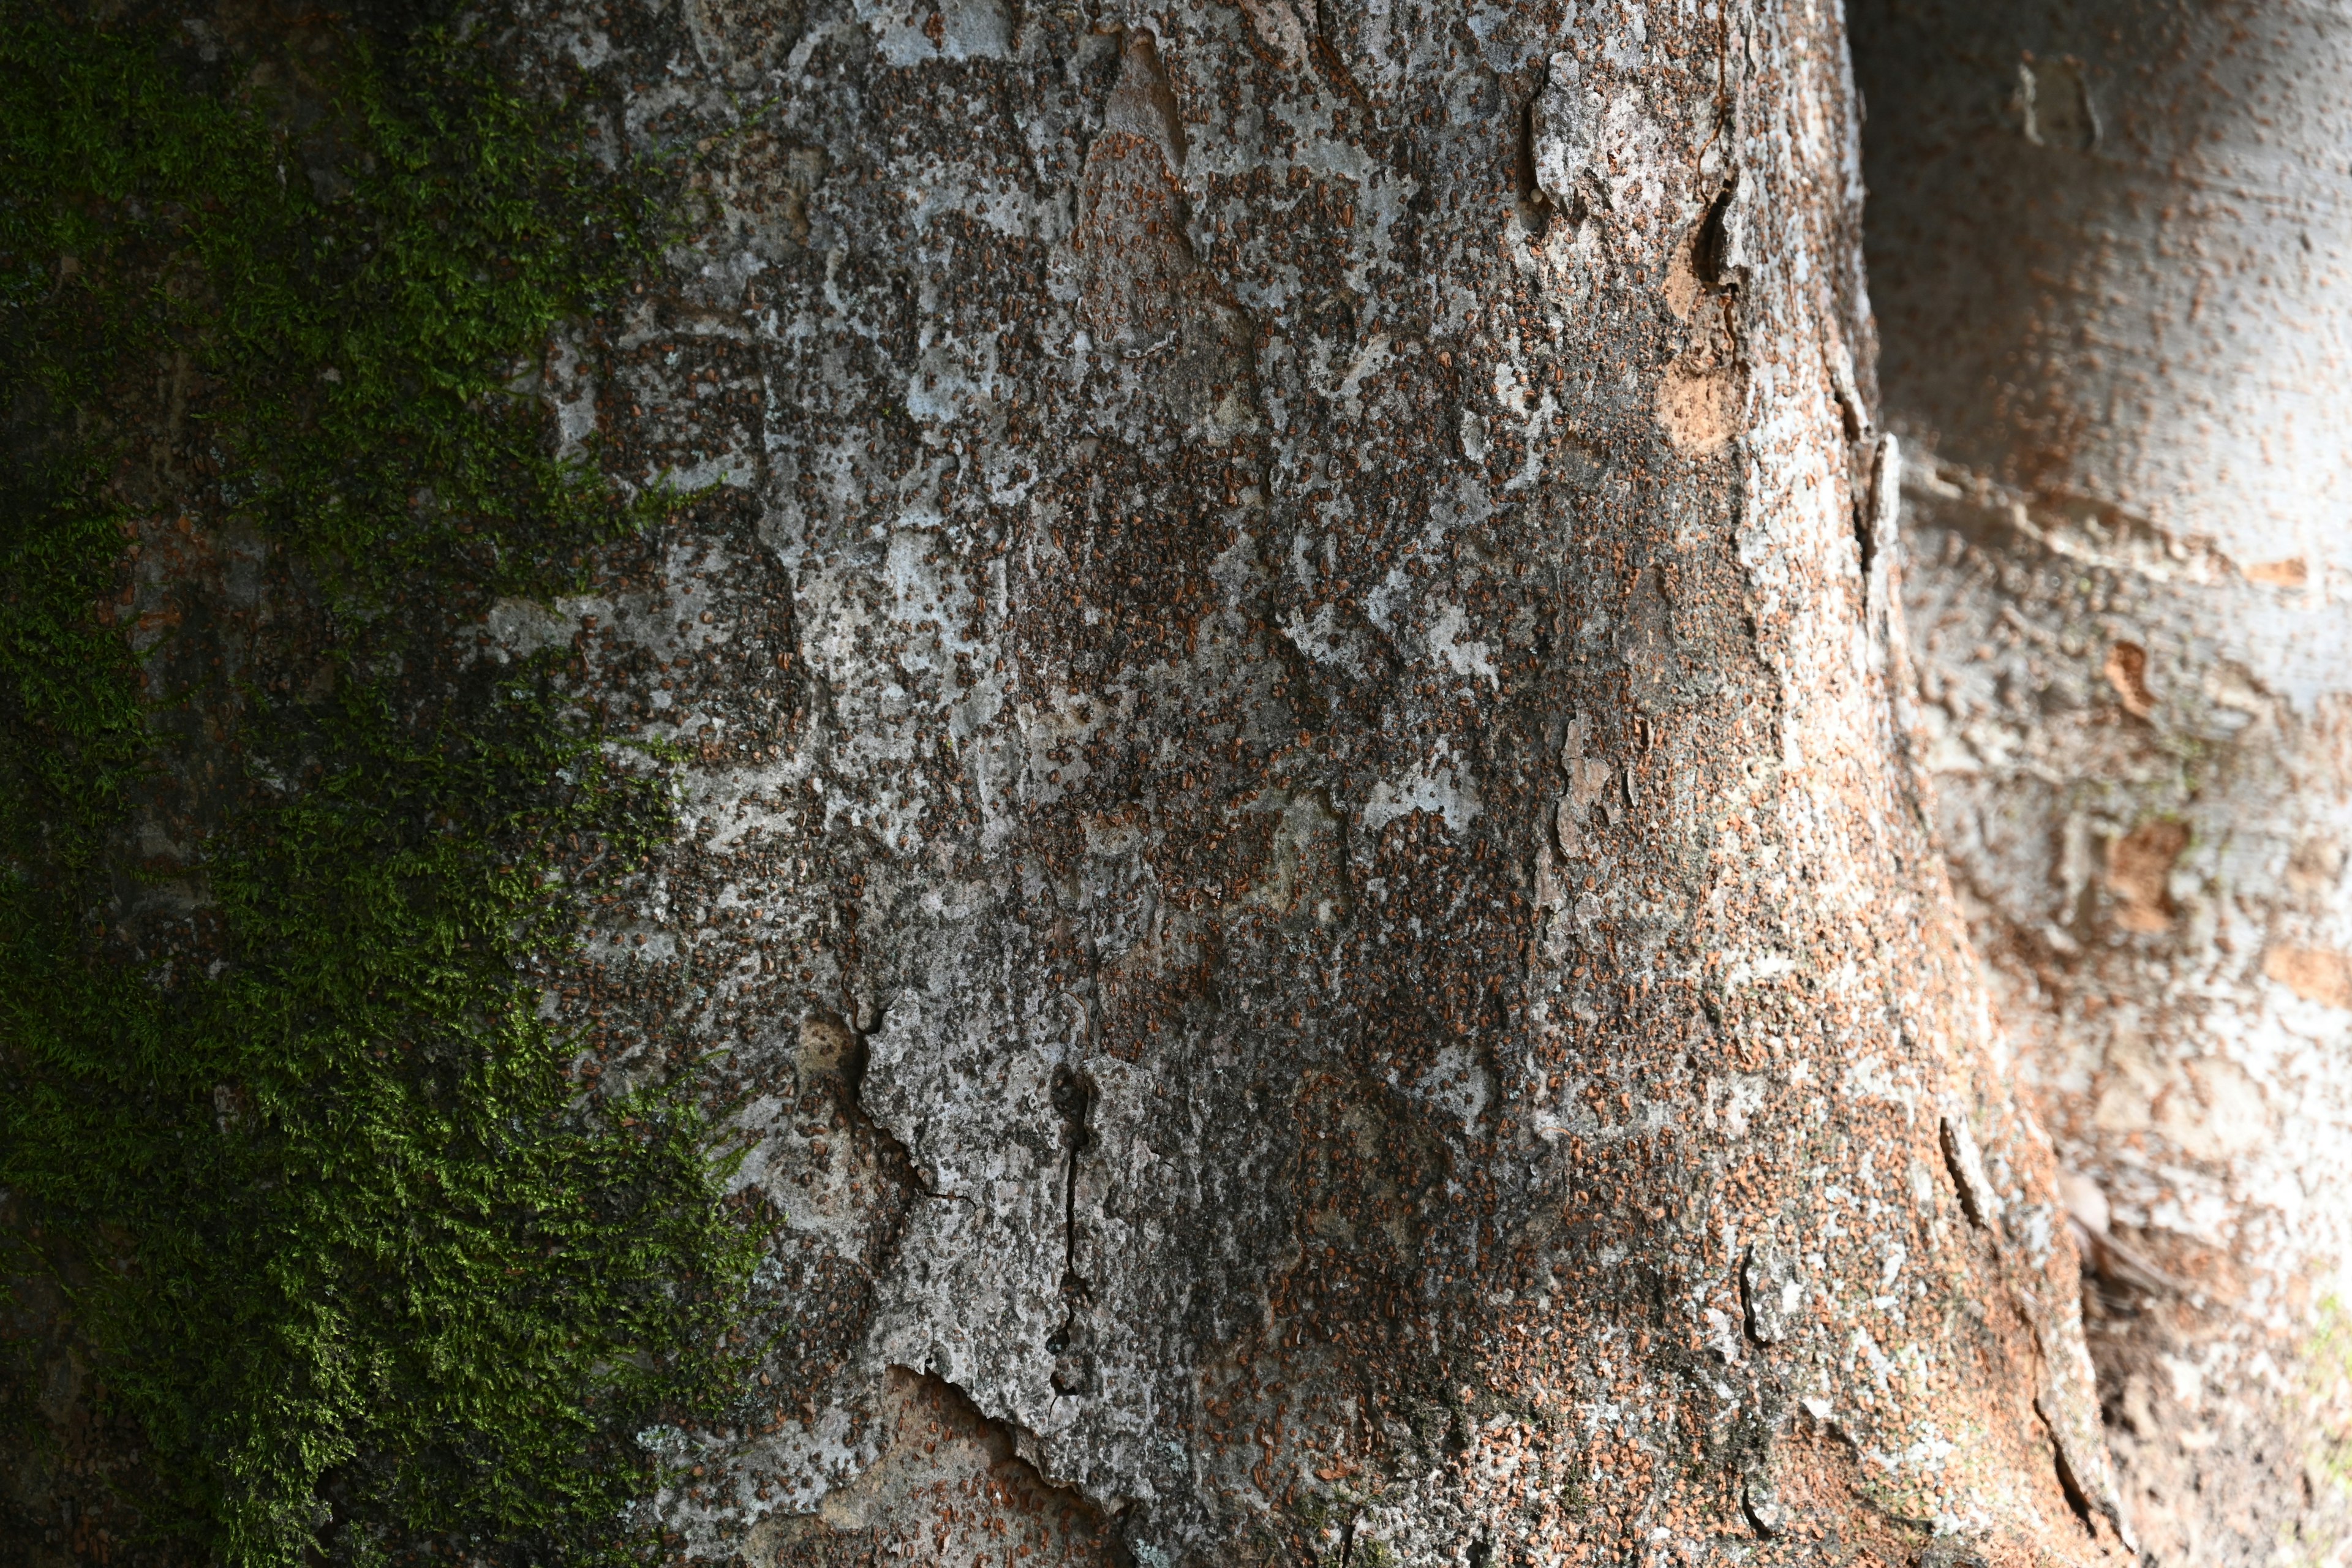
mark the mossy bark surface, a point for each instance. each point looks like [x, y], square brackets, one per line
[1297, 811]
[319, 1240]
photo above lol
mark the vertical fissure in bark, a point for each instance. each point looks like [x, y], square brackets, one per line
[1073, 1098]
[2082, 1502]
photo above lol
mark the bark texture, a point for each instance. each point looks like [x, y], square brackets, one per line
[1304, 836]
[1325, 917]
[2109, 246]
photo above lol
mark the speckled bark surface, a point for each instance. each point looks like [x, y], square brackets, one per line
[1322, 905]
[2108, 244]
[1305, 837]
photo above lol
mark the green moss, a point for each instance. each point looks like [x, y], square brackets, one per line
[359, 1258]
[2328, 1357]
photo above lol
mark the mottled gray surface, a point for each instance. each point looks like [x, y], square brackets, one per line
[1300, 831]
[2123, 337]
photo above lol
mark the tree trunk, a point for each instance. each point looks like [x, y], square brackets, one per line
[2109, 242]
[1304, 849]
[1332, 943]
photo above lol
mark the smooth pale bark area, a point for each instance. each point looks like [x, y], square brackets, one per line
[2109, 246]
[1326, 926]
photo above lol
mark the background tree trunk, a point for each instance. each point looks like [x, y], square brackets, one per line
[2108, 244]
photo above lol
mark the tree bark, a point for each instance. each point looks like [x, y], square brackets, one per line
[2107, 243]
[1329, 932]
[1306, 855]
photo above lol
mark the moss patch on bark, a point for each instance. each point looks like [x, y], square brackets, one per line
[357, 1256]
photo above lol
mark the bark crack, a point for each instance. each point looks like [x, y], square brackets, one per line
[898, 1159]
[1073, 1098]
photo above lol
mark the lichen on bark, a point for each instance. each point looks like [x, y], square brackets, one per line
[1332, 861]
